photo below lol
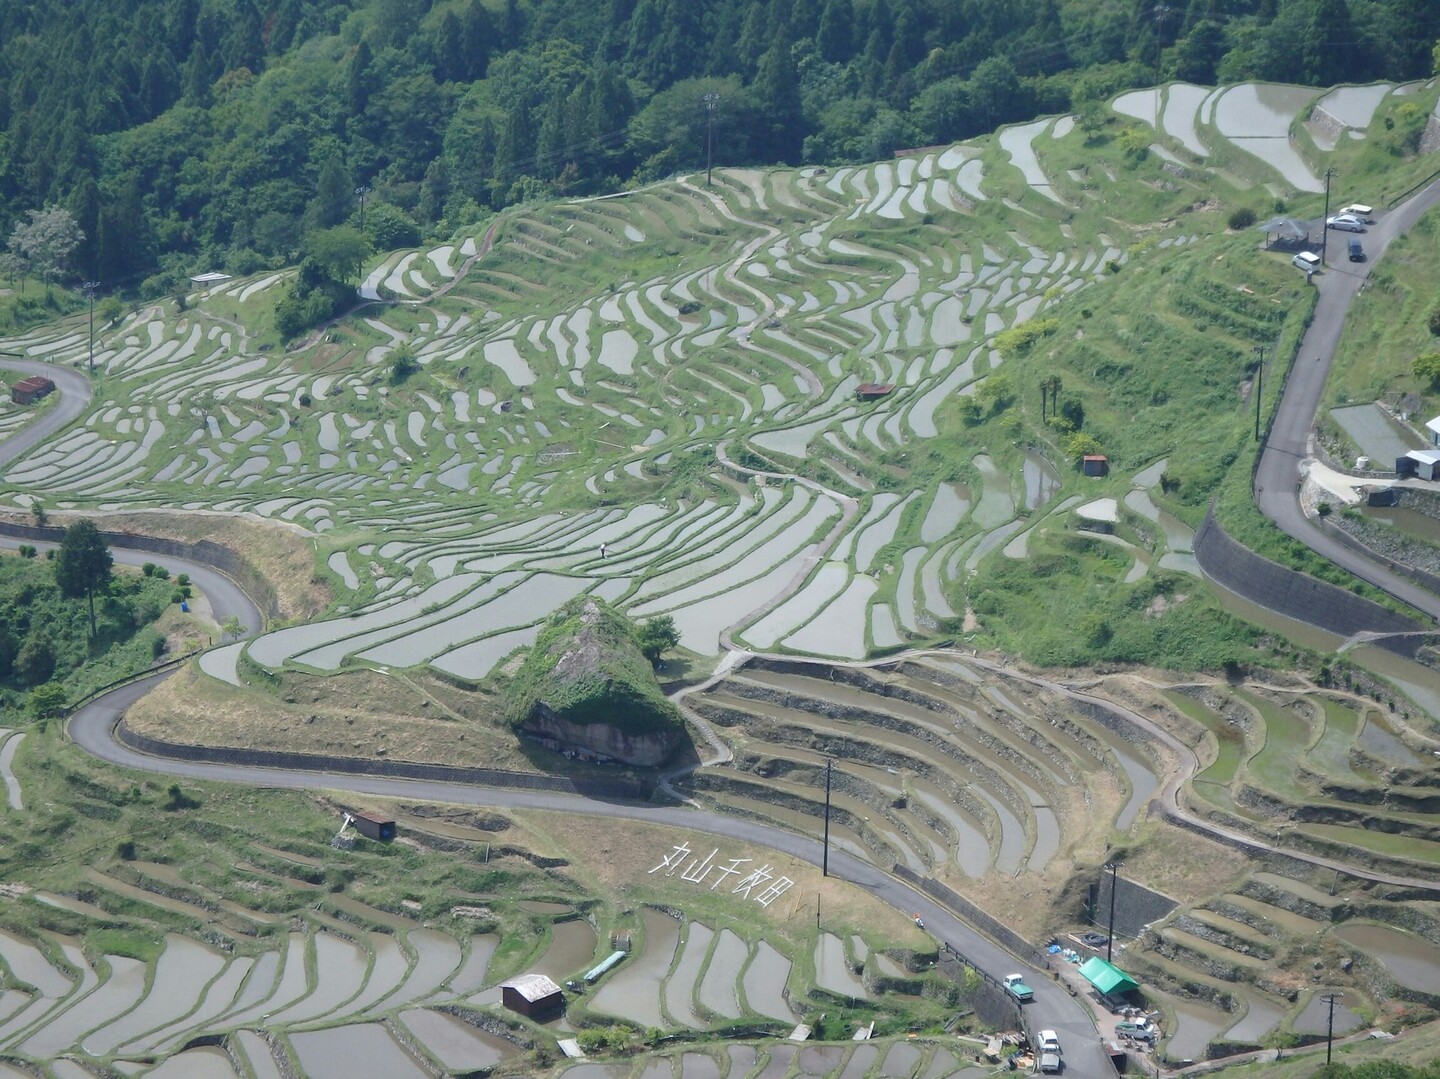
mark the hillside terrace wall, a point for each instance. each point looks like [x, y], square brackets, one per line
[217, 557]
[1297, 595]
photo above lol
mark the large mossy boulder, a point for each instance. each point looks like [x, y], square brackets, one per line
[586, 687]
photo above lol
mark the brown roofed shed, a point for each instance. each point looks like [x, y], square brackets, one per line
[374, 826]
[29, 390]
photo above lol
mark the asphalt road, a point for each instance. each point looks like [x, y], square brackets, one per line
[1277, 480]
[1278, 477]
[225, 596]
[92, 727]
[74, 392]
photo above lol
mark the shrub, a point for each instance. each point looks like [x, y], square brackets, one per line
[1426, 368]
[391, 227]
[1081, 445]
[1242, 218]
[1434, 322]
[1017, 339]
[177, 799]
[48, 700]
[402, 365]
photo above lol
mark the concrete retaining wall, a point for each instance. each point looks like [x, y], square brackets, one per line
[1296, 595]
[436, 773]
[217, 557]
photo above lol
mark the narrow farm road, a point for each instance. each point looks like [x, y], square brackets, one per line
[92, 729]
[1278, 477]
[92, 726]
[74, 389]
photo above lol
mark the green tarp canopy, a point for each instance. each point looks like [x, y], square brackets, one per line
[1107, 978]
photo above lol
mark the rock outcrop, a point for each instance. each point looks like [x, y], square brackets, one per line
[586, 688]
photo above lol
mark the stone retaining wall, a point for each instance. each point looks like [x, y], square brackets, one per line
[436, 773]
[1135, 905]
[1002, 934]
[219, 558]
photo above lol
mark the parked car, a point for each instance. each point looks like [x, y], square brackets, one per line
[1049, 1041]
[1307, 261]
[1345, 223]
[1140, 1030]
[1357, 253]
[1050, 1063]
[1016, 987]
[1360, 210]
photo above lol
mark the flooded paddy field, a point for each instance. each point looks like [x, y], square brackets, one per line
[949, 768]
[331, 998]
[775, 1060]
[599, 401]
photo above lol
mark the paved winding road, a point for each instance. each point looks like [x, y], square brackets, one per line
[74, 392]
[92, 729]
[1278, 476]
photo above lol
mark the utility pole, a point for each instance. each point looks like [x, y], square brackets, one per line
[90, 287]
[1259, 387]
[1330, 999]
[1160, 12]
[825, 858]
[360, 193]
[1114, 868]
[711, 100]
[1325, 221]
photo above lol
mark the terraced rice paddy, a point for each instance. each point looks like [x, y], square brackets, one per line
[336, 998]
[938, 767]
[1307, 753]
[1301, 749]
[125, 1007]
[761, 344]
[776, 1060]
[683, 438]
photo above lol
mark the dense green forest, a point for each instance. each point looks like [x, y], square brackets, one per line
[68, 624]
[220, 133]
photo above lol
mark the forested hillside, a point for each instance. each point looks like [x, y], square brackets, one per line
[182, 133]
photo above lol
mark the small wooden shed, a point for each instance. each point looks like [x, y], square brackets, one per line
[532, 995]
[873, 391]
[29, 390]
[374, 826]
[1094, 464]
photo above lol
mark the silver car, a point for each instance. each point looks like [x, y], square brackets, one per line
[1345, 223]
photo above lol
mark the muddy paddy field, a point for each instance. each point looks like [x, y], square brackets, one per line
[996, 781]
[1012, 791]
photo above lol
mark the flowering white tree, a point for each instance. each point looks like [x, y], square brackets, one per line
[45, 242]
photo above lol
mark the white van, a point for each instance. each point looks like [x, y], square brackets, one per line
[1307, 261]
